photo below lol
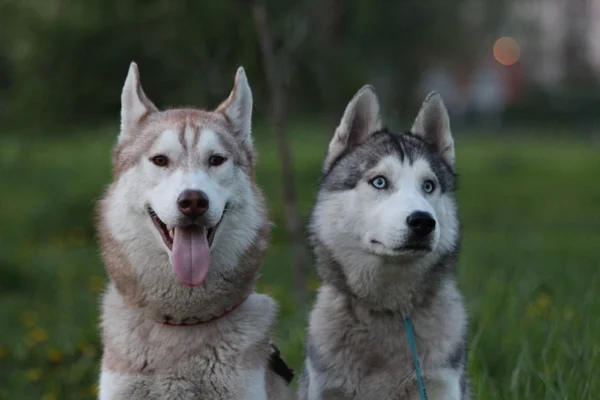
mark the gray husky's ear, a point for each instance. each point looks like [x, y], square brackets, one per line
[135, 105]
[361, 119]
[433, 125]
[238, 108]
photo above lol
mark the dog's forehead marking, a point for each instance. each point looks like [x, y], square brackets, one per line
[420, 158]
[190, 142]
[189, 136]
[208, 141]
[391, 163]
[189, 125]
[403, 168]
[185, 127]
[168, 142]
[420, 167]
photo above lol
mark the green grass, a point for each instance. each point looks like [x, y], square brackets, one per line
[529, 269]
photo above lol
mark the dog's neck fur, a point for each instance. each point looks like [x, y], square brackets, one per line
[393, 289]
[134, 343]
[207, 320]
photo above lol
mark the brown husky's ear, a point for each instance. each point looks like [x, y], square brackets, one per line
[361, 119]
[134, 103]
[433, 125]
[238, 108]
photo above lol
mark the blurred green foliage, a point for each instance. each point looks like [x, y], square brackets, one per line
[65, 62]
[529, 267]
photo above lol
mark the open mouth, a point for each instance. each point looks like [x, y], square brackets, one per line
[167, 234]
[413, 247]
[405, 249]
[189, 247]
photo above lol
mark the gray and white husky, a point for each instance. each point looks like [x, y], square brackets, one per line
[183, 230]
[385, 235]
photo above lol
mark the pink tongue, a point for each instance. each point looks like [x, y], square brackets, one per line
[191, 255]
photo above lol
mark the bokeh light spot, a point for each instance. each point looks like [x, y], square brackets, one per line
[507, 51]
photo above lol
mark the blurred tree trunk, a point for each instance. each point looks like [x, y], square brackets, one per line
[328, 17]
[273, 68]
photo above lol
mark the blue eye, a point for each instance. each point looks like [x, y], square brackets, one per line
[428, 186]
[379, 182]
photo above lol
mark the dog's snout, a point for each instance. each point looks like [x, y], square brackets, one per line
[193, 203]
[421, 223]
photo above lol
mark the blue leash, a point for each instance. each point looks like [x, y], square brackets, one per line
[413, 349]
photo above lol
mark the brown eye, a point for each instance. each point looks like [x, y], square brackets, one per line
[160, 160]
[215, 161]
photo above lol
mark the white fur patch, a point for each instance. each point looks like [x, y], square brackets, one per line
[255, 388]
[444, 385]
[109, 383]
[313, 381]
[231, 336]
[209, 143]
[168, 144]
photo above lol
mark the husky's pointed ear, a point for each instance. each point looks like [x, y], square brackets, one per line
[238, 107]
[433, 125]
[135, 105]
[361, 119]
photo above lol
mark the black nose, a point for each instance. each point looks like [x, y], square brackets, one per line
[193, 203]
[421, 223]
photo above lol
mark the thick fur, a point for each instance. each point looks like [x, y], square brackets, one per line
[357, 346]
[227, 358]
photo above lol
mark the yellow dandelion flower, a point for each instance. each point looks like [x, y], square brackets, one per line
[96, 284]
[543, 301]
[88, 349]
[38, 335]
[28, 318]
[55, 355]
[49, 396]
[532, 311]
[33, 374]
[94, 390]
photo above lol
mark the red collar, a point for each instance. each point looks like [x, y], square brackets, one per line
[226, 312]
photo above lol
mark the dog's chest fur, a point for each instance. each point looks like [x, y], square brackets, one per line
[354, 353]
[225, 359]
